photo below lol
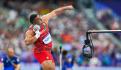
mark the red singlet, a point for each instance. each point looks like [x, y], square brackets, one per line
[42, 47]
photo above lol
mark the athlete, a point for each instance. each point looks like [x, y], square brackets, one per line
[38, 34]
[10, 61]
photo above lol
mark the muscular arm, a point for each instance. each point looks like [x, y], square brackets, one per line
[30, 37]
[56, 12]
[61, 10]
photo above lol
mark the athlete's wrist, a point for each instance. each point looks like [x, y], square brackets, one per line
[37, 34]
[36, 28]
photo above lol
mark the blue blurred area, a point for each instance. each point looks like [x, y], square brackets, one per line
[112, 4]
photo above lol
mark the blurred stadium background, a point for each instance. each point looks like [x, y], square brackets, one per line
[67, 30]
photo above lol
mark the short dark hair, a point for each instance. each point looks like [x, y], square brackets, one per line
[32, 17]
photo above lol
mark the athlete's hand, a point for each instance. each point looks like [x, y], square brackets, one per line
[36, 29]
[37, 34]
[70, 7]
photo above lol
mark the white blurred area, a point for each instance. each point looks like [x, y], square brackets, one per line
[37, 67]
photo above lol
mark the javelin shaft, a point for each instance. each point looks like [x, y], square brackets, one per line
[61, 57]
[61, 61]
[104, 31]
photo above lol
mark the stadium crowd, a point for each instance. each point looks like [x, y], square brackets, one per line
[67, 30]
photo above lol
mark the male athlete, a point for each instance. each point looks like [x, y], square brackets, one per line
[38, 34]
[10, 61]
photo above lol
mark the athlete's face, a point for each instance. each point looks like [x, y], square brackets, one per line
[10, 52]
[37, 20]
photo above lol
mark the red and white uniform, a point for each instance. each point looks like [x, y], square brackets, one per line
[42, 47]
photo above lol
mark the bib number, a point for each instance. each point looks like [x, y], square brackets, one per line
[47, 39]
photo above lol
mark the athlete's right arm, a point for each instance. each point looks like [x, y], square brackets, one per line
[30, 38]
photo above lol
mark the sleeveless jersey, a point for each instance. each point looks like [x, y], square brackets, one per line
[44, 42]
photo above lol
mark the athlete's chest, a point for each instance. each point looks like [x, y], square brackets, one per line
[45, 36]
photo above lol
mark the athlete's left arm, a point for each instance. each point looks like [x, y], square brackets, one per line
[56, 12]
[1, 65]
[17, 66]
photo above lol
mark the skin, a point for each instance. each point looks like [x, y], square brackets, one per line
[48, 65]
[10, 52]
[30, 38]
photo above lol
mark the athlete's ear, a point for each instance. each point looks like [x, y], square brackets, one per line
[32, 16]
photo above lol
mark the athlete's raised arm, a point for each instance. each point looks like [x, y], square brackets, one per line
[56, 12]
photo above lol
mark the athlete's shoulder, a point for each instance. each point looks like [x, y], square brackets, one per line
[15, 57]
[4, 58]
[45, 18]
